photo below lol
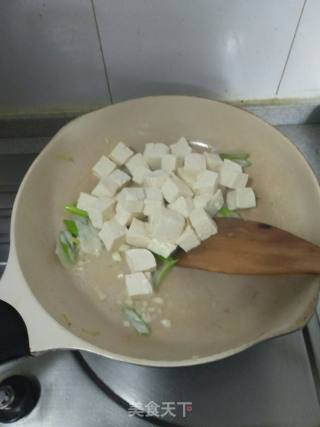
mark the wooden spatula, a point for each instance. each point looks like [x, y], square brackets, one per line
[248, 247]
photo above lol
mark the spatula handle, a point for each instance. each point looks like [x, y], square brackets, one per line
[248, 247]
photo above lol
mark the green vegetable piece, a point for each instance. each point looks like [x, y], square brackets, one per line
[227, 213]
[76, 211]
[67, 249]
[163, 270]
[235, 156]
[136, 321]
[241, 158]
[71, 226]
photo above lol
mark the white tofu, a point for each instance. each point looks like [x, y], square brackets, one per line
[132, 200]
[136, 161]
[153, 152]
[121, 154]
[153, 193]
[116, 180]
[232, 179]
[242, 198]
[100, 211]
[148, 275]
[100, 190]
[207, 182]
[112, 234]
[131, 193]
[183, 205]
[210, 203]
[153, 201]
[137, 284]
[103, 167]
[166, 225]
[139, 174]
[188, 239]
[189, 176]
[164, 249]
[140, 260]
[202, 223]
[175, 187]
[229, 164]
[180, 149]
[151, 207]
[195, 161]
[156, 178]
[85, 201]
[214, 161]
[169, 163]
[138, 235]
[122, 215]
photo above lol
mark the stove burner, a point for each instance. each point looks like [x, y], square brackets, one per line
[18, 396]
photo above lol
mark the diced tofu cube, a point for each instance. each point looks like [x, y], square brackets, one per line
[169, 163]
[131, 200]
[195, 161]
[122, 215]
[207, 182]
[242, 198]
[136, 161]
[138, 284]
[210, 203]
[112, 234]
[153, 201]
[153, 153]
[188, 239]
[138, 235]
[189, 176]
[232, 179]
[121, 154]
[202, 223]
[148, 275]
[100, 211]
[131, 193]
[175, 187]
[156, 178]
[214, 161]
[116, 180]
[140, 260]
[153, 193]
[183, 205]
[100, 190]
[161, 248]
[103, 167]
[139, 174]
[85, 201]
[151, 207]
[166, 225]
[229, 164]
[180, 149]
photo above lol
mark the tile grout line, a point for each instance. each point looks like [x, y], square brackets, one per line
[291, 47]
[101, 51]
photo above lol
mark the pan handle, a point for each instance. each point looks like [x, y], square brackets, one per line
[14, 340]
[38, 331]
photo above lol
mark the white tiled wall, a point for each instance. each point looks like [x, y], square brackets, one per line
[49, 56]
[225, 49]
[302, 74]
[51, 51]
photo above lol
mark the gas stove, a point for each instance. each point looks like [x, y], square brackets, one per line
[274, 383]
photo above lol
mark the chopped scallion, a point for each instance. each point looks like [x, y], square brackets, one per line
[76, 211]
[227, 213]
[136, 321]
[166, 265]
[71, 226]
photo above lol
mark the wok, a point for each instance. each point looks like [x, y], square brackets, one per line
[213, 315]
